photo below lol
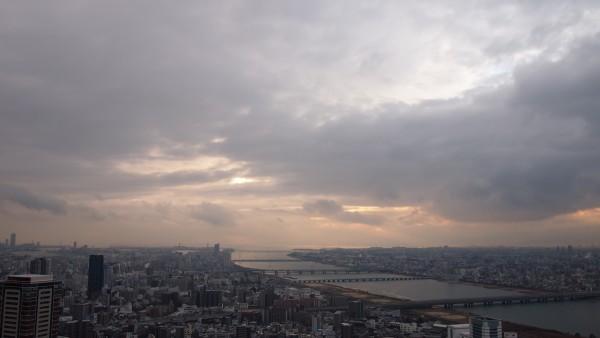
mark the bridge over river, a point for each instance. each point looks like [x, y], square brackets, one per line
[517, 299]
[356, 279]
[324, 271]
[264, 260]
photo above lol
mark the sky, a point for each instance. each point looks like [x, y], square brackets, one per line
[286, 124]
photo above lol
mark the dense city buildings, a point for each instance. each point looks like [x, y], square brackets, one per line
[30, 306]
[200, 292]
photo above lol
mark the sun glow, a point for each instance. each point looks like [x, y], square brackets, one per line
[242, 180]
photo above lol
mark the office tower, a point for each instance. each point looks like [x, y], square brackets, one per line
[484, 327]
[95, 276]
[30, 306]
[13, 240]
[355, 309]
[40, 266]
[347, 330]
[266, 298]
[208, 298]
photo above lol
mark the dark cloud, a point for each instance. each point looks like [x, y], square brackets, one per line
[33, 201]
[213, 214]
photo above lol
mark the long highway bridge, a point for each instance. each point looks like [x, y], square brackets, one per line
[516, 299]
[357, 279]
[264, 260]
[324, 271]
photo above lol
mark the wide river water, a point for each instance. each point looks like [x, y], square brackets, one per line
[570, 316]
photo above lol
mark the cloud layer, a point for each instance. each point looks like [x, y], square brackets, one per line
[384, 122]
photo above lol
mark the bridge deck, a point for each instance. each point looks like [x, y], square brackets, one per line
[357, 279]
[471, 301]
[265, 260]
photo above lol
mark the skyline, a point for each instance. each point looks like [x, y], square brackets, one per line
[286, 124]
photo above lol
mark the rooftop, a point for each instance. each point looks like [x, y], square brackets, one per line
[30, 278]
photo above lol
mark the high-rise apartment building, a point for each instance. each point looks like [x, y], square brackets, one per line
[484, 327]
[30, 306]
[13, 240]
[40, 266]
[95, 276]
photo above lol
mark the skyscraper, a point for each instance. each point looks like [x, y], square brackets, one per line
[30, 306]
[13, 240]
[95, 276]
[484, 327]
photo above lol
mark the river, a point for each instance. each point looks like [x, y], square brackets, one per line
[581, 316]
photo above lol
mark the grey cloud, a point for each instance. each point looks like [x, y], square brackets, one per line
[213, 214]
[87, 213]
[324, 207]
[91, 92]
[33, 201]
[527, 150]
[336, 211]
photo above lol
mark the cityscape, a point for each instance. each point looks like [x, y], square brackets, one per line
[300, 169]
[222, 292]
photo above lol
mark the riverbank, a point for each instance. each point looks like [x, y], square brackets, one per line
[365, 296]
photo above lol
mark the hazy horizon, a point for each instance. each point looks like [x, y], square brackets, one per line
[300, 124]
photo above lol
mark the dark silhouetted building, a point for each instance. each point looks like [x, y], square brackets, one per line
[355, 309]
[13, 240]
[30, 306]
[95, 276]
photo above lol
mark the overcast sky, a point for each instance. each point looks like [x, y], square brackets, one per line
[283, 124]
